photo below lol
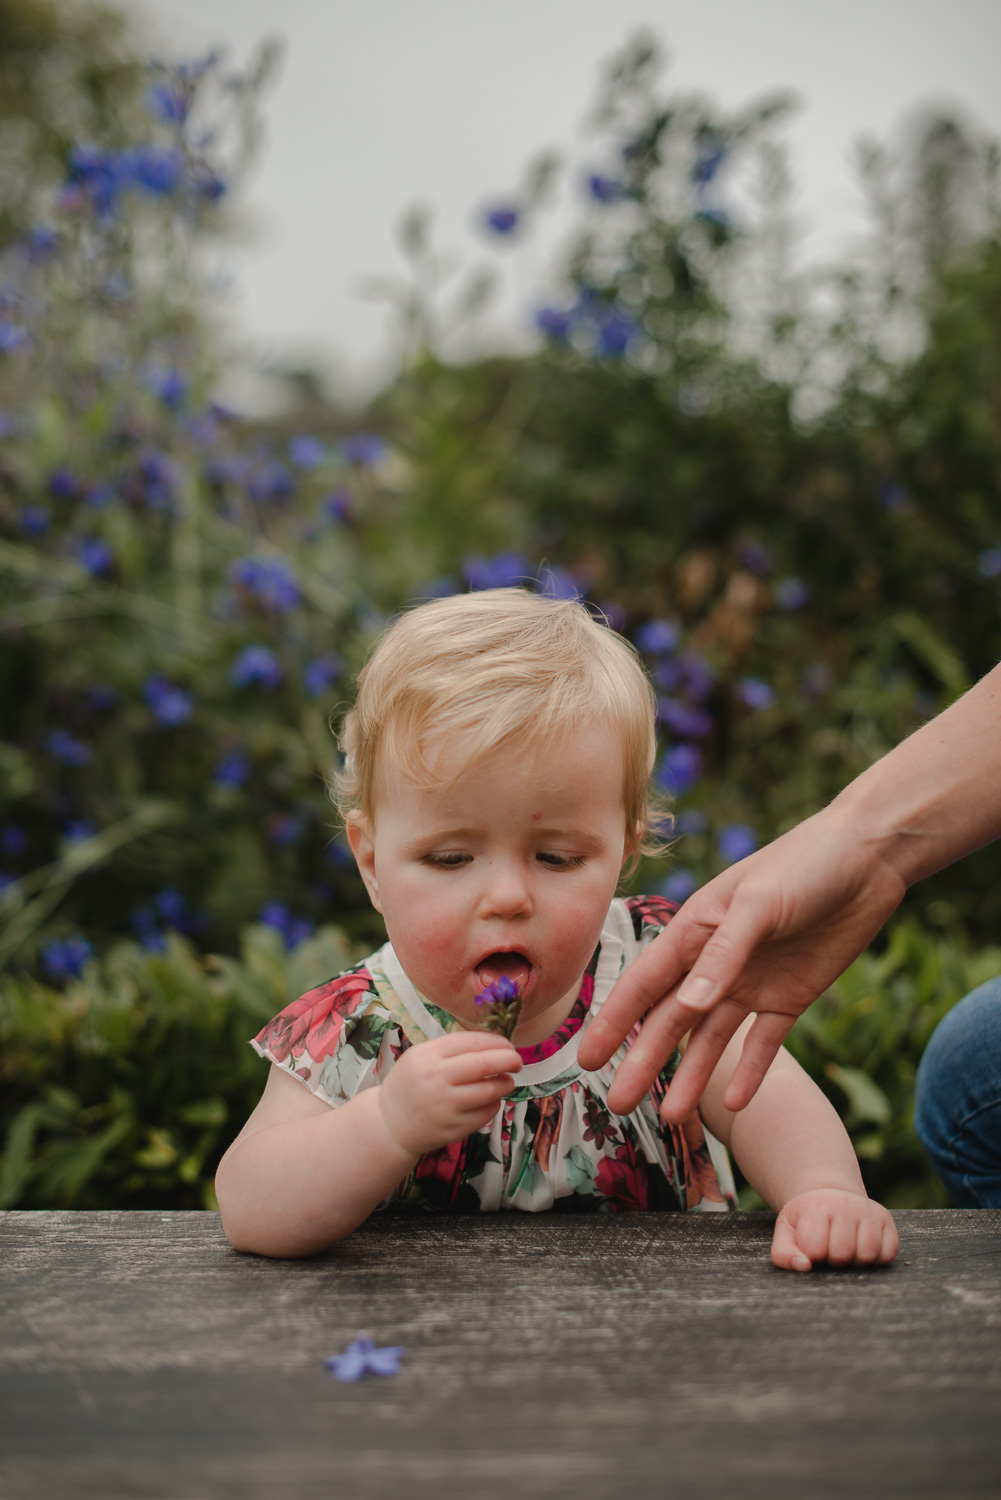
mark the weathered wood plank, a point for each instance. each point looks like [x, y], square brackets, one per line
[632, 1355]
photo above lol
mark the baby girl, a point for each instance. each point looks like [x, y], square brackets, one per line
[495, 787]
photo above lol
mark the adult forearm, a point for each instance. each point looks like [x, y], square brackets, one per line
[294, 1189]
[937, 796]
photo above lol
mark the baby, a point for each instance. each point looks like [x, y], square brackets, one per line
[495, 785]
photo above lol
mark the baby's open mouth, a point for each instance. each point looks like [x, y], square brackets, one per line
[512, 965]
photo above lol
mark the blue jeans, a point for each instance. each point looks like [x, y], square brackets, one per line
[957, 1110]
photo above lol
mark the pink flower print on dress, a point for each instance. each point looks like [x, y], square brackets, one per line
[314, 1023]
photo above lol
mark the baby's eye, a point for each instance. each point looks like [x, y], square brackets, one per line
[447, 859]
[558, 861]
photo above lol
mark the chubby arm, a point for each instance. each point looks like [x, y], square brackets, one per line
[795, 1152]
[302, 1175]
[768, 935]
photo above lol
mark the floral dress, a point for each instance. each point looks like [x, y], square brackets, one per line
[553, 1144]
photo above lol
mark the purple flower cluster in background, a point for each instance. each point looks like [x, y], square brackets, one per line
[593, 322]
[294, 930]
[268, 581]
[67, 749]
[64, 958]
[257, 664]
[735, 841]
[168, 911]
[169, 704]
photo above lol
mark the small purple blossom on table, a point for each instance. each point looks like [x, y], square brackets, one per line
[361, 1357]
[499, 1006]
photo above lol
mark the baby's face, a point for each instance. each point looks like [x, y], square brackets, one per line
[507, 871]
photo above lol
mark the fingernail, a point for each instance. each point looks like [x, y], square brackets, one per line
[697, 992]
[800, 1263]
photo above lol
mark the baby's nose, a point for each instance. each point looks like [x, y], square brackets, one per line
[507, 893]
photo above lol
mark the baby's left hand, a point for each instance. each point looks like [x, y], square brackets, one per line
[843, 1228]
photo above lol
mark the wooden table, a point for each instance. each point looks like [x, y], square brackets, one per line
[546, 1355]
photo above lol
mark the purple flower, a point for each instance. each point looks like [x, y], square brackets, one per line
[12, 336]
[271, 582]
[34, 520]
[555, 324]
[62, 746]
[791, 593]
[95, 556]
[170, 387]
[257, 664]
[13, 840]
[502, 220]
[989, 562]
[616, 331]
[365, 449]
[499, 1004]
[711, 152]
[41, 243]
[679, 769]
[362, 1357]
[270, 481]
[63, 484]
[99, 496]
[170, 705]
[167, 102]
[294, 930]
[157, 171]
[319, 674]
[306, 452]
[612, 614]
[150, 936]
[755, 693]
[682, 720]
[657, 637]
[692, 822]
[232, 770]
[339, 506]
[756, 558]
[158, 479]
[77, 831]
[605, 189]
[735, 841]
[64, 958]
[697, 675]
[284, 829]
[503, 571]
[558, 583]
[679, 885]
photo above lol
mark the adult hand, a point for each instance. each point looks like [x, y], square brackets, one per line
[766, 936]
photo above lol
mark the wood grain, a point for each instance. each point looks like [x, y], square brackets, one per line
[546, 1355]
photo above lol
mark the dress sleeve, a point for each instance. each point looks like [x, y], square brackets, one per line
[336, 1039]
[649, 915]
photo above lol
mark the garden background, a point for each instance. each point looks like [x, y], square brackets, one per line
[784, 488]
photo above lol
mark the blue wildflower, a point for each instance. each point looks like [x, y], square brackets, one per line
[989, 562]
[505, 570]
[791, 593]
[502, 220]
[319, 674]
[12, 336]
[697, 675]
[34, 520]
[63, 484]
[77, 831]
[616, 331]
[257, 664]
[499, 1005]
[150, 935]
[294, 930]
[157, 171]
[681, 719]
[64, 747]
[170, 387]
[167, 102]
[285, 828]
[612, 614]
[756, 558]
[558, 583]
[64, 958]
[95, 556]
[364, 449]
[270, 481]
[13, 840]
[362, 1357]
[99, 496]
[170, 705]
[307, 452]
[270, 581]
[679, 769]
[692, 822]
[736, 841]
[711, 152]
[605, 189]
[158, 479]
[755, 693]
[339, 506]
[669, 674]
[232, 770]
[657, 637]
[679, 885]
[41, 243]
[556, 324]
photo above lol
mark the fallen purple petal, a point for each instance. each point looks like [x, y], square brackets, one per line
[362, 1357]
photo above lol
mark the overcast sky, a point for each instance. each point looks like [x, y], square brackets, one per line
[381, 104]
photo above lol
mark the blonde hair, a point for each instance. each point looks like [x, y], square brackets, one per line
[495, 668]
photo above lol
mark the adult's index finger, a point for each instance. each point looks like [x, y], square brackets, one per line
[652, 976]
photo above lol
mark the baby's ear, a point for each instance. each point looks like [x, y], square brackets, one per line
[361, 838]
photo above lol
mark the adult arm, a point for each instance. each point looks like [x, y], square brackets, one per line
[772, 932]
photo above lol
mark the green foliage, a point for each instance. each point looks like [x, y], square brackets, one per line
[123, 1090]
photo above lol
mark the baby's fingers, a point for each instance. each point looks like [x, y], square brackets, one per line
[471, 1067]
[786, 1253]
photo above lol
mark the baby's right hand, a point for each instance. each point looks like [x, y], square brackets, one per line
[443, 1090]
